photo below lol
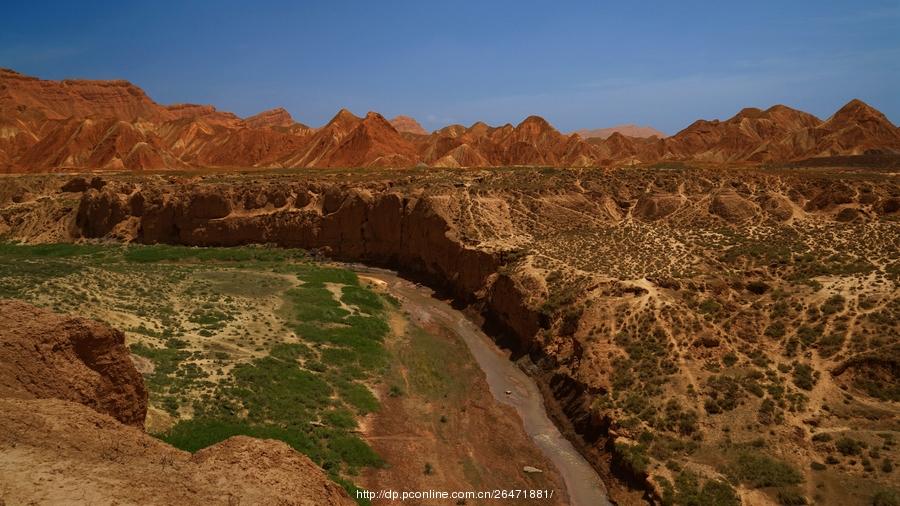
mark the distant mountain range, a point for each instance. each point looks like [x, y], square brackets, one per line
[628, 130]
[113, 125]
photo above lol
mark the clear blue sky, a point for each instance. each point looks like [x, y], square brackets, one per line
[580, 64]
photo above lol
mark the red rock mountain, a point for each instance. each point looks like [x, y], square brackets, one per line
[628, 130]
[277, 117]
[114, 125]
[409, 125]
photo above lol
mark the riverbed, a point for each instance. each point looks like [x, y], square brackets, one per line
[508, 384]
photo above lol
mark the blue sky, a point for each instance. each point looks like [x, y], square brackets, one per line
[580, 64]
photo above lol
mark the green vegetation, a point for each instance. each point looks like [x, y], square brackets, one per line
[886, 498]
[633, 457]
[689, 490]
[252, 341]
[849, 446]
[757, 470]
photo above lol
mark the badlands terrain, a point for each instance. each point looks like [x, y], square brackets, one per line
[114, 125]
[704, 335]
[710, 317]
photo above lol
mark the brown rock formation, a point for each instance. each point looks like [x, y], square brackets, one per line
[44, 355]
[277, 117]
[113, 125]
[628, 130]
[408, 125]
[96, 460]
[739, 138]
[730, 206]
[479, 233]
[54, 369]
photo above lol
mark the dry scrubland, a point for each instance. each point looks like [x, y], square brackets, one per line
[713, 335]
[273, 344]
[217, 336]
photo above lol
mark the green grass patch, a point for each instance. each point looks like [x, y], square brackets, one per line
[757, 471]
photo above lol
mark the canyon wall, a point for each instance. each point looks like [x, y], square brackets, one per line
[563, 266]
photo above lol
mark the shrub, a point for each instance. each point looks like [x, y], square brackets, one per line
[711, 493]
[775, 330]
[634, 457]
[803, 376]
[757, 287]
[886, 498]
[757, 471]
[834, 304]
[791, 497]
[848, 446]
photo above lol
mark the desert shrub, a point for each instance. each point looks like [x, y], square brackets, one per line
[757, 470]
[633, 457]
[724, 393]
[709, 306]
[809, 335]
[830, 344]
[803, 376]
[833, 304]
[886, 498]
[769, 412]
[776, 330]
[848, 446]
[790, 497]
[757, 287]
[712, 492]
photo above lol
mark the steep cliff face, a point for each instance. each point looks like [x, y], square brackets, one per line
[44, 355]
[347, 224]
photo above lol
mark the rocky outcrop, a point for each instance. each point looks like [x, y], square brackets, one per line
[71, 401]
[55, 451]
[730, 206]
[277, 117]
[44, 355]
[383, 229]
[408, 125]
[655, 206]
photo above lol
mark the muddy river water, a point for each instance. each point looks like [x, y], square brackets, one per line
[508, 384]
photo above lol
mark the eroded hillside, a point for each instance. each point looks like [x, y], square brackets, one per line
[707, 334]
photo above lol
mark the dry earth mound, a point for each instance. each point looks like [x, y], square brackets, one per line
[59, 452]
[44, 355]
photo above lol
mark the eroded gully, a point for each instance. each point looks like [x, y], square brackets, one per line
[508, 384]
